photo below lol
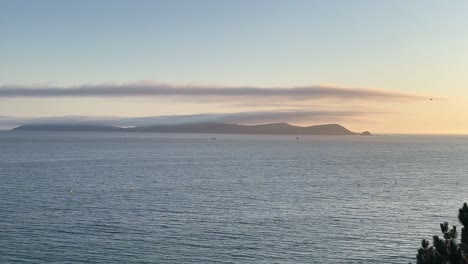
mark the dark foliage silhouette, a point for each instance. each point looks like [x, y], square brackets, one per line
[446, 250]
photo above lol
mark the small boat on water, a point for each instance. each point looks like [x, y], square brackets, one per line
[213, 138]
[297, 137]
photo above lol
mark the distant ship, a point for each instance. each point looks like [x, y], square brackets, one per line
[213, 138]
[297, 137]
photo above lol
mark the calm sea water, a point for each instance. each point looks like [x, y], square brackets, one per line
[160, 198]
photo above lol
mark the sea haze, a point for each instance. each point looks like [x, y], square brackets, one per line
[100, 197]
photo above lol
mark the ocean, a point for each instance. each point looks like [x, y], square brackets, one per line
[85, 197]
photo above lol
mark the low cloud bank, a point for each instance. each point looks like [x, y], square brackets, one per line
[198, 92]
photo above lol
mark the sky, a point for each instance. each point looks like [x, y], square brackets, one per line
[365, 64]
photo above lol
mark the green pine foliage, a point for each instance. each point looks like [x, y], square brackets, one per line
[445, 249]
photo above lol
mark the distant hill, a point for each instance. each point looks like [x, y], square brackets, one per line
[214, 128]
[222, 128]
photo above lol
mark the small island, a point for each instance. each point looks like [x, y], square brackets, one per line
[366, 133]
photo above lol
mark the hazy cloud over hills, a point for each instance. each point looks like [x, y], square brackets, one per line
[307, 105]
[237, 118]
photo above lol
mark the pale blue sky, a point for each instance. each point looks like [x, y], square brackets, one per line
[405, 46]
[363, 43]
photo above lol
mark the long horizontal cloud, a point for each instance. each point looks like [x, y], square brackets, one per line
[161, 90]
[292, 116]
